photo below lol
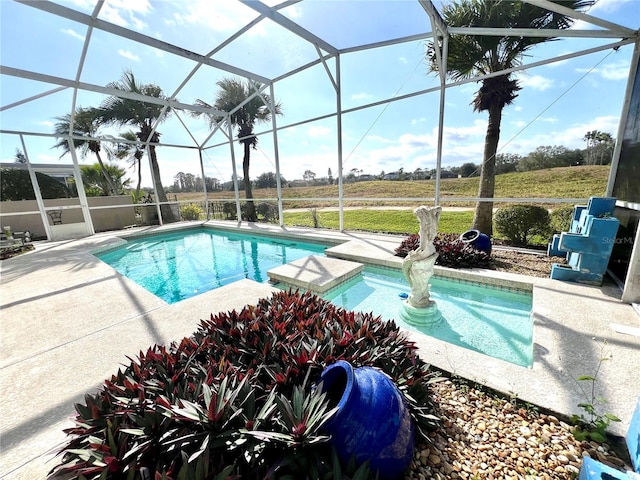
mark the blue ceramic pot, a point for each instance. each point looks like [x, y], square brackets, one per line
[478, 240]
[372, 421]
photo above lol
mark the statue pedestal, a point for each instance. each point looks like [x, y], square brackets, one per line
[420, 316]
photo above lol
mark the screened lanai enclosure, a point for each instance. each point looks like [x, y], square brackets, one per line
[151, 98]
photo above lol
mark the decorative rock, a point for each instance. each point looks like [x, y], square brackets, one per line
[485, 437]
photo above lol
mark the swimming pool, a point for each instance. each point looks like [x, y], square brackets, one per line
[490, 320]
[181, 264]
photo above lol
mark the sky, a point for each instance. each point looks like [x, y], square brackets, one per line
[558, 104]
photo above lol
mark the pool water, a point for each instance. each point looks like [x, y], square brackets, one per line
[489, 320]
[178, 265]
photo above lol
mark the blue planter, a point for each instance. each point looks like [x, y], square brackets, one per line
[372, 422]
[478, 240]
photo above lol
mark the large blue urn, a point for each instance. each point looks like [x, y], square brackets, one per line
[372, 421]
[478, 240]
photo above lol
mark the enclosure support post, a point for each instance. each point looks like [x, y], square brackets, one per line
[235, 172]
[615, 160]
[272, 107]
[82, 196]
[36, 191]
[339, 126]
[204, 182]
[155, 187]
[443, 63]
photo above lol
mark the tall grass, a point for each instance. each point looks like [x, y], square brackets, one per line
[565, 182]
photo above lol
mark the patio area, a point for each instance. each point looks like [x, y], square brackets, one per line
[69, 322]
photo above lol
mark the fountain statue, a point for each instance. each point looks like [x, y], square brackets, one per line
[417, 267]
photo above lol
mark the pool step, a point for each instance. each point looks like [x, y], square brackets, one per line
[315, 273]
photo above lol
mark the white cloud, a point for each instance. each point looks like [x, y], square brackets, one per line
[612, 71]
[378, 138]
[536, 82]
[294, 11]
[415, 121]
[571, 137]
[126, 12]
[602, 8]
[218, 16]
[129, 55]
[318, 131]
[403, 60]
[361, 96]
[71, 32]
[45, 123]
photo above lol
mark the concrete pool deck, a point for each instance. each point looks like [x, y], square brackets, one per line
[69, 321]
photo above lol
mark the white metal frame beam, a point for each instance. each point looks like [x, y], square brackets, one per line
[99, 24]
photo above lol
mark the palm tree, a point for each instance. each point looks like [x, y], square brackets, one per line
[144, 116]
[133, 153]
[94, 182]
[475, 55]
[233, 93]
[85, 124]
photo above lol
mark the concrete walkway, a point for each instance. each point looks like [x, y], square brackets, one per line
[68, 322]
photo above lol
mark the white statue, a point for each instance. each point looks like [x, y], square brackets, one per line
[418, 264]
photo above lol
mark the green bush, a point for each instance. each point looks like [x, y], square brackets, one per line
[236, 399]
[191, 212]
[519, 222]
[229, 210]
[561, 218]
[268, 211]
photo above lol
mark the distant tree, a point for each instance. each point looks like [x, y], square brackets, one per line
[308, 176]
[473, 55]
[212, 184]
[15, 185]
[507, 162]
[330, 177]
[549, 157]
[20, 157]
[599, 147]
[268, 180]
[469, 169]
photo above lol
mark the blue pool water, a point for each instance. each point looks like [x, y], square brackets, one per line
[489, 320]
[179, 265]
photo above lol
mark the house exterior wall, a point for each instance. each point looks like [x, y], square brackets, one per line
[103, 219]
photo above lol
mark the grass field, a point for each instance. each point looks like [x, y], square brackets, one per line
[386, 221]
[565, 182]
[308, 206]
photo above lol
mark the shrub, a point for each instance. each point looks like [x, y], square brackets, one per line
[452, 252]
[268, 211]
[191, 212]
[229, 210]
[519, 222]
[235, 400]
[561, 218]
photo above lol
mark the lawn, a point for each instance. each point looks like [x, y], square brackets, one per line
[384, 221]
